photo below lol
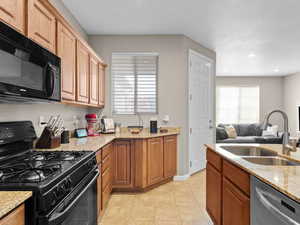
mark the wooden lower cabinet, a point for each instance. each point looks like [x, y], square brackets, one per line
[236, 205]
[122, 165]
[227, 191]
[214, 194]
[99, 195]
[140, 164]
[155, 161]
[170, 156]
[16, 217]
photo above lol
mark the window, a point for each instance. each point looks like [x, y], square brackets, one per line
[237, 104]
[134, 83]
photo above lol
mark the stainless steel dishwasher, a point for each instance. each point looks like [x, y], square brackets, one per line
[271, 207]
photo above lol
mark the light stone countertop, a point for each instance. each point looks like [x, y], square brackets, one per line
[285, 179]
[96, 143]
[9, 200]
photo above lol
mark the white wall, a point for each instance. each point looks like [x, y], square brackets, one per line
[292, 100]
[271, 92]
[172, 79]
[14, 112]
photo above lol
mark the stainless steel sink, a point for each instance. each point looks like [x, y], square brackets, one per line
[248, 151]
[271, 161]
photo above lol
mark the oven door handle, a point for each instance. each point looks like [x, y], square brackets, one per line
[57, 218]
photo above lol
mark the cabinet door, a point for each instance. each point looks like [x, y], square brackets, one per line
[236, 205]
[12, 12]
[101, 85]
[213, 194]
[122, 161]
[94, 81]
[170, 156]
[66, 50]
[41, 25]
[155, 162]
[17, 216]
[83, 64]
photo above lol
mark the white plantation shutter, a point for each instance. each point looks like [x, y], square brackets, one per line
[134, 83]
[237, 104]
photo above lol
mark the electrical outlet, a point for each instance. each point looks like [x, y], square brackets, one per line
[42, 121]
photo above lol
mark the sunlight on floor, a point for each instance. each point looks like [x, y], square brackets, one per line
[175, 203]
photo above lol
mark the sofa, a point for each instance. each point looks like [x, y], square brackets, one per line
[246, 133]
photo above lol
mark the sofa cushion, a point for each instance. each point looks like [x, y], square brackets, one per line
[231, 132]
[246, 129]
[239, 139]
[221, 133]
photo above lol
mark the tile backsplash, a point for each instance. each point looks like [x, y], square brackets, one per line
[17, 112]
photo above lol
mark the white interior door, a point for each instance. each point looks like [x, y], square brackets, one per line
[201, 108]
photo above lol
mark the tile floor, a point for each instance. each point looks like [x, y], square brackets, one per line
[175, 203]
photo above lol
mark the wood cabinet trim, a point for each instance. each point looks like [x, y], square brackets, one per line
[214, 159]
[17, 216]
[37, 6]
[237, 176]
[14, 19]
[68, 66]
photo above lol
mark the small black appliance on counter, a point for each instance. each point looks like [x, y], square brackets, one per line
[153, 126]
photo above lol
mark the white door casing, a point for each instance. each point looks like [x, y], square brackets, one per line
[201, 109]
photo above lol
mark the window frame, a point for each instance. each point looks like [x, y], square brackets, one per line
[135, 94]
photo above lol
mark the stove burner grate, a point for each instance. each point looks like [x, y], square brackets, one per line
[28, 173]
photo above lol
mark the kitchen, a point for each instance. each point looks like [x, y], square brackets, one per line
[97, 130]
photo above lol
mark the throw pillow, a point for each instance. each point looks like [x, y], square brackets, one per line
[271, 131]
[231, 132]
[221, 133]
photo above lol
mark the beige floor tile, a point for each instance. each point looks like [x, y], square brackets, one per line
[175, 203]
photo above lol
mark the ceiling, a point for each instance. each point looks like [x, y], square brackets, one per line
[250, 37]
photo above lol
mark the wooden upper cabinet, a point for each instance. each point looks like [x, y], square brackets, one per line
[83, 78]
[66, 50]
[122, 164]
[16, 217]
[101, 85]
[170, 156]
[236, 205]
[12, 12]
[155, 163]
[94, 81]
[41, 25]
[214, 194]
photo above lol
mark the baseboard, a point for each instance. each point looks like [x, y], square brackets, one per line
[181, 178]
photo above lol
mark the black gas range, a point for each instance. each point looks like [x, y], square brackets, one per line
[63, 182]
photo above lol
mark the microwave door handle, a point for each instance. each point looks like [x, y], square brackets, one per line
[50, 76]
[57, 218]
[274, 210]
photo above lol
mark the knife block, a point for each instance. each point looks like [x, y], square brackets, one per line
[48, 140]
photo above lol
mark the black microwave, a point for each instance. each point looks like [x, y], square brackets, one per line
[28, 72]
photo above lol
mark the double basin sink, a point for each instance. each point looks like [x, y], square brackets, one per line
[260, 156]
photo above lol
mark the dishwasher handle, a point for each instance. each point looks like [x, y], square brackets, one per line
[273, 209]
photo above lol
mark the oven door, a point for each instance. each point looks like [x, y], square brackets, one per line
[27, 69]
[78, 208]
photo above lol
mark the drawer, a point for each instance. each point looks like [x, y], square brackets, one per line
[106, 163]
[106, 195]
[214, 159]
[98, 156]
[106, 178]
[106, 150]
[237, 176]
